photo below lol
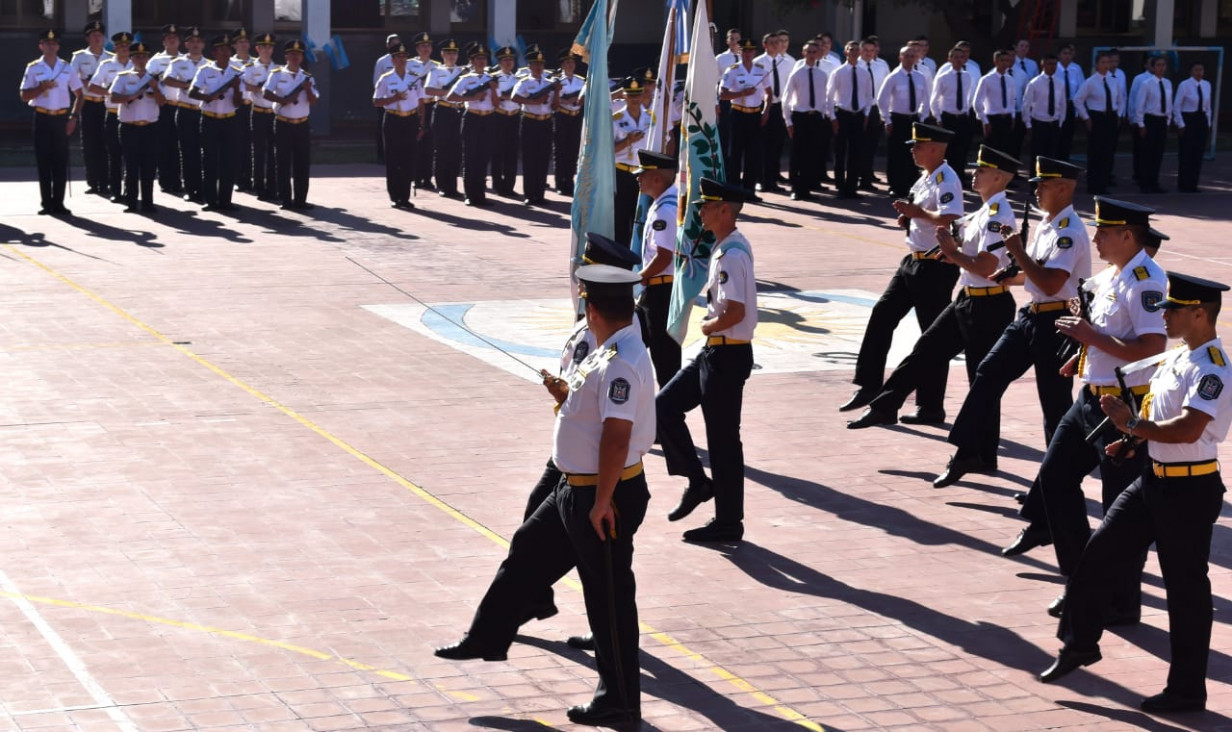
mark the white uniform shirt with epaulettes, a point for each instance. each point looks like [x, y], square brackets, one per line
[86, 63]
[469, 84]
[59, 96]
[106, 74]
[144, 109]
[939, 191]
[731, 279]
[530, 85]
[623, 125]
[241, 64]
[184, 69]
[209, 80]
[158, 65]
[441, 77]
[505, 84]
[614, 381]
[660, 229]
[571, 84]
[282, 82]
[422, 69]
[1125, 306]
[257, 74]
[753, 81]
[1062, 243]
[1196, 379]
[580, 344]
[981, 230]
[391, 83]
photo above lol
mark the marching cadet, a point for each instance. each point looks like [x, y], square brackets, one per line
[537, 94]
[422, 66]
[953, 89]
[1098, 103]
[656, 178]
[139, 95]
[217, 86]
[1043, 109]
[506, 125]
[715, 378]
[477, 90]
[996, 102]
[1057, 258]
[1174, 504]
[242, 60]
[94, 114]
[921, 281]
[903, 101]
[567, 125]
[604, 425]
[630, 125]
[188, 116]
[53, 90]
[253, 78]
[975, 320]
[99, 84]
[850, 94]
[293, 92]
[1151, 116]
[746, 86]
[379, 69]
[808, 125]
[726, 60]
[446, 120]
[400, 93]
[1192, 112]
[1126, 324]
[168, 140]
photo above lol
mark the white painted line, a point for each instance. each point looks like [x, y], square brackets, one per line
[101, 698]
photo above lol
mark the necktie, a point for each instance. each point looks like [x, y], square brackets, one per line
[1107, 96]
[775, 66]
[1068, 93]
[960, 100]
[1052, 97]
[855, 90]
[1005, 100]
[1163, 103]
[1022, 63]
[911, 92]
[812, 92]
[1201, 104]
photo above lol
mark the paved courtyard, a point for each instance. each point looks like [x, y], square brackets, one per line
[248, 485]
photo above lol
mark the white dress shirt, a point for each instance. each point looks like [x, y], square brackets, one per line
[1035, 100]
[894, 97]
[390, 84]
[797, 97]
[988, 98]
[143, 110]
[1071, 79]
[1149, 100]
[282, 82]
[838, 92]
[210, 80]
[57, 97]
[1118, 76]
[1192, 379]
[1025, 67]
[945, 97]
[1187, 96]
[727, 59]
[1092, 98]
[383, 65]
[784, 63]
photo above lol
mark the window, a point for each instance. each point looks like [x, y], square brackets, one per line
[1111, 17]
[536, 15]
[29, 13]
[208, 14]
[468, 14]
[395, 10]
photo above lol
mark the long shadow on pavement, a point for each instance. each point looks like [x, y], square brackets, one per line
[114, 233]
[39, 239]
[1138, 720]
[350, 222]
[480, 223]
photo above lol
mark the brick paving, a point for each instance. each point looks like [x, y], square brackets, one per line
[235, 499]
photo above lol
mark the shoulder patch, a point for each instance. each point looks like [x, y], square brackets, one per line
[1216, 356]
[994, 208]
[946, 197]
[581, 350]
[994, 226]
[618, 392]
[1141, 273]
[1151, 300]
[1065, 242]
[722, 277]
[659, 225]
[1210, 387]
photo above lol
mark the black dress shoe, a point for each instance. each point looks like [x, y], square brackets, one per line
[861, 398]
[867, 187]
[958, 467]
[465, 650]
[1057, 608]
[211, 207]
[1169, 702]
[1020, 498]
[286, 206]
[61, 211]
[593, 716]
[92, 191]
[715, 531]
[581, 642]
[1027, 539]
[1069, 661]
[45, 212]
[924, 416]
[871, 418]
[305, 206]
[694, 496]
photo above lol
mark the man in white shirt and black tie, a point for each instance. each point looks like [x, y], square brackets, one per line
[902, 99]
[996, 103]
[807, 117]
[1023, 65]
[951, 105]
[1071, 78]
[1098, 103]
[1192, 116]
[877, 70]
[849, 94]
[1044, 108]
[726, 60]
[778, 65]
[1150, 119]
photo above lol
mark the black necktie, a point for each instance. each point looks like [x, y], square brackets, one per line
[855, 90]
[911, 92]
[1201, 104]
[1163, 104]
[775, 65]
[960, 101]
[1068, 93]
[1052, 97]
[812, 93]
[1107, 96]
[1022, 64]
[1005, 100]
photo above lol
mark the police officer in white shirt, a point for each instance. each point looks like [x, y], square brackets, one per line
[400, 94]
[1151, 117]
[807, 116]
[1192, 115]
[726, 60]
[1098, 103]
[217, 86]
[567, 125]
[381, 67]
[99, 83]
[715, 378]
[293, 92]
[53, 90]
[93, 115]
[1044, 108]
[169, 179]
[421, 65]
[747, 86]
[179, 77]
[477, 90]
[139, 95]
[264, 173]
[1173, 504]
[537, 94]
[630, 125]
[656, 178]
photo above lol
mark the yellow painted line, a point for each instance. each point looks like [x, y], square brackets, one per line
[785, 711]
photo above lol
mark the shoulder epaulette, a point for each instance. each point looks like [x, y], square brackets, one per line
[306, 74]
[33, 62]
[382, 76]
[618, 115]
[994, 208]
[1217, 356]
[1064, 223]
[940, 176]
[1141, 273]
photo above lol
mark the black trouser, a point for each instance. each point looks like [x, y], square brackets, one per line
[1017, 136]
[923, 284]
[848, 149]
[868, 151]
[115, 154]
[744, 163]
[900, 168]
[969, 325]
[1044, 140]
[567, 140]
[627, 193]
[1192, 147]
[220, 153]
[1151, 149]
[1065, 141]
[93, 149]
[477, 151]
[244, 115]
[725, 117]
[808, 158]
[264, 169]
[1178, 515]
[140, 143]
[1000, 132]
[380, 134]
[294, 149]
[653, 307]
[960, 145]
[188, 126]
[1056, 499]
[557, 537]
[545, 487]
[713, 380]
[423, 153]
[168, 150]
[775, 135]
[51, 156]
[401, 142]
[1101, 148]
[447, 133]
[1136, 152]
[536, 153]
[505, 130]
[1031, 341]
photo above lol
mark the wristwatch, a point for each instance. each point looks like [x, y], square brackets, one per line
[1131, 424]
